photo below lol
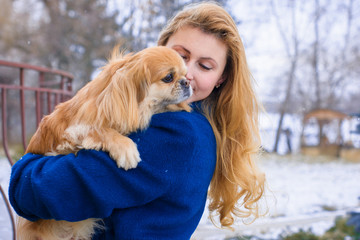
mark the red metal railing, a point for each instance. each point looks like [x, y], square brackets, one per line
[50, 88]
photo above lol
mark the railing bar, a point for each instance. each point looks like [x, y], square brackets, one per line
[4, 126]
[38, 108]
[4, 137]
[48, 103]
[41, 103]
[36, 68]
[67, 93]
[22, 109]
[42, 92]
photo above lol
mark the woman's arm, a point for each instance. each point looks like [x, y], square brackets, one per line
[89, 185]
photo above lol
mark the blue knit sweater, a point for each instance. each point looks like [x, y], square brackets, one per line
[163, 198]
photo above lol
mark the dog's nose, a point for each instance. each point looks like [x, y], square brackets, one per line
[185, 82]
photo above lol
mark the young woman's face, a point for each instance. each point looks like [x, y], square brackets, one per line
[205, 58]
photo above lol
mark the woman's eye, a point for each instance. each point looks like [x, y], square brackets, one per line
[168, 78]
[205, 67]
[183, 57]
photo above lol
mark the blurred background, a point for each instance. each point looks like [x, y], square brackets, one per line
[304, 57]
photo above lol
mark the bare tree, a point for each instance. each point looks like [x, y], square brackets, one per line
[78, 34]
[291, 44]
[321, 64]
[315, 60]
[330, 56]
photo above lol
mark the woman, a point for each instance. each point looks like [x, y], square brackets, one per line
[182, 153]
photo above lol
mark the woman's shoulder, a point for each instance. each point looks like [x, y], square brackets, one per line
[192, 125]
[192, 119]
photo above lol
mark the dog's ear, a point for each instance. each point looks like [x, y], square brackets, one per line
[119, 102]
[140, 76]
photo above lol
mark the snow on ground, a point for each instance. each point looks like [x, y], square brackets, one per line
[300, 189]
[5, 221]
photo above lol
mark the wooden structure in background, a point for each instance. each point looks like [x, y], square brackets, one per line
[337, 148]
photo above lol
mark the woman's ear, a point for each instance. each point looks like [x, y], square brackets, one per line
[221, 80]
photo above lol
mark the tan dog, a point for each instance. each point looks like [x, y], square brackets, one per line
[122, 99]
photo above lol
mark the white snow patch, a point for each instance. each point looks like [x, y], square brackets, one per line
[301, 191]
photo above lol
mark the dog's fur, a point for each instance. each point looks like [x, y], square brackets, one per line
[122, 99]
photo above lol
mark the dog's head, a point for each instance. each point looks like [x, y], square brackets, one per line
[164, 72]
[142, 83]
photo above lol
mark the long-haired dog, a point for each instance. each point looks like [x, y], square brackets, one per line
[122, 99]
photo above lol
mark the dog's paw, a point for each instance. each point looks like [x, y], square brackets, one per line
[125, 155]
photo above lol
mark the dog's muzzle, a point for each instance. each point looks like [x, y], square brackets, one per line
[186, 88]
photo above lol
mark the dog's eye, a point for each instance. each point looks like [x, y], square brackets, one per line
[168, 78]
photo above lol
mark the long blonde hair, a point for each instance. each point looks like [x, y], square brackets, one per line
[232, 110]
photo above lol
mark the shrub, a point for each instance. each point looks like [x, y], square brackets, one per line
[341, 230]
[302, 235]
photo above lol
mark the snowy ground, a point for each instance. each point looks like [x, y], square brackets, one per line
[5, 222]
[300, 189]
[300, 193]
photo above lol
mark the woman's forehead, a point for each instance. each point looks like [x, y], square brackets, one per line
[194, 40]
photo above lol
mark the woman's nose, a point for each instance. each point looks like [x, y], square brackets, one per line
[189, 75]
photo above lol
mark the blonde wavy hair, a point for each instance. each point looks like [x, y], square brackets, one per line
[232, 110]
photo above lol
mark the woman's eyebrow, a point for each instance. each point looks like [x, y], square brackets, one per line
[186, 50]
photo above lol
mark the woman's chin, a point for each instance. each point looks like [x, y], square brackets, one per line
[190, 100]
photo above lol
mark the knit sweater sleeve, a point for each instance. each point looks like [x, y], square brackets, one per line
[89, 184]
